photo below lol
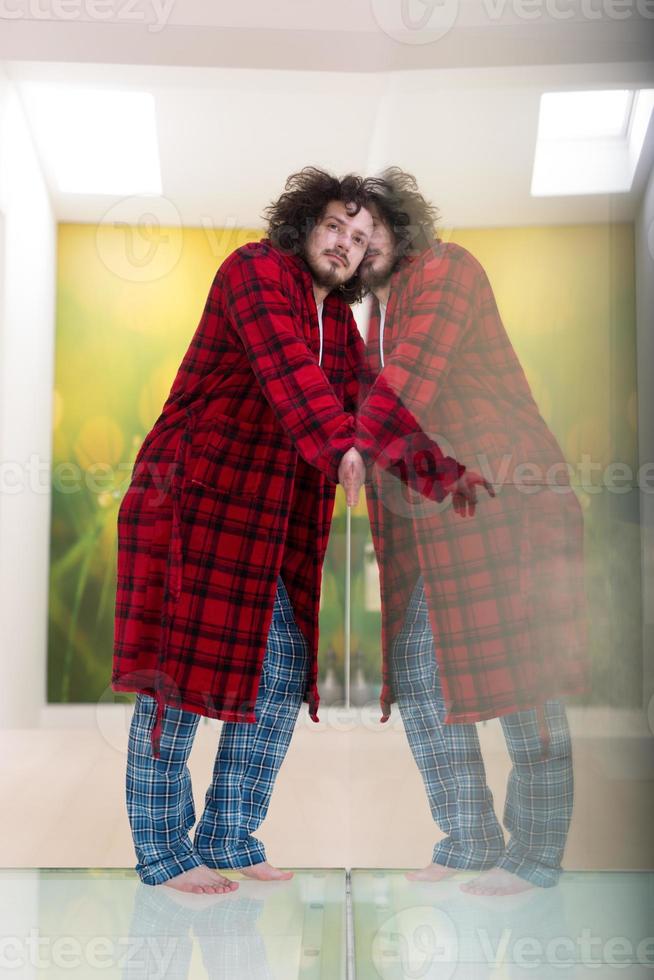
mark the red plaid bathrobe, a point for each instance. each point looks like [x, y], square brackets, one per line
[235, 484]
[505, 588]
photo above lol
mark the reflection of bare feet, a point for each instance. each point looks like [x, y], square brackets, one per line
[496, 881]
[433, 872]
[265, 872]
[201, 880]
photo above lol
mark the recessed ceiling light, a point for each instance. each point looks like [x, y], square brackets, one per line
[98, 141]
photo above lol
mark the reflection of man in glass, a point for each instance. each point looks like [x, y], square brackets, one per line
[166, 925]
[483, 615]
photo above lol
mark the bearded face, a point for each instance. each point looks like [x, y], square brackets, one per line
[381, 259]
[337, 244]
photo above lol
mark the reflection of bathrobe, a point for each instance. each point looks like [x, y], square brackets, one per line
[505, 588]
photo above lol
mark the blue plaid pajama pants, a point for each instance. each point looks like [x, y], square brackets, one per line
[159, 795]
[539, 795]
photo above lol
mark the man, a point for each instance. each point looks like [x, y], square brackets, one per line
[224, 527]
[219, 574]
[481, 617]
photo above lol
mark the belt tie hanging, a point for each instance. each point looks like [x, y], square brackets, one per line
[173, 576]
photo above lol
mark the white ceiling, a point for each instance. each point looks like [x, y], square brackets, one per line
[232, 129]
[339, 35]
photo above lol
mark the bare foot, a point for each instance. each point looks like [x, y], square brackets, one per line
[433, 872]
[201, 880]
[496, 881]
[265, 872]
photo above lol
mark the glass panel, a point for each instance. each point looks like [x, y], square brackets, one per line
[594, 922]
[103, 922]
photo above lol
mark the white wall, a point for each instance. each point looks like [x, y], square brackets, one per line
[645, 340]
[27, 317]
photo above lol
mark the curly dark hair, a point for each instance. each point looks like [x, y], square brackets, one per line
[291, 218]
[411, 218]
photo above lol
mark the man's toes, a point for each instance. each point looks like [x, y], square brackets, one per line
[223, 883]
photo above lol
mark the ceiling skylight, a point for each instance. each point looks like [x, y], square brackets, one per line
[100, 141]
[582, 115]
[589, 142]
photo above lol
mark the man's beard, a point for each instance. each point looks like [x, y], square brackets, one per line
[373, 278]
[329, 279]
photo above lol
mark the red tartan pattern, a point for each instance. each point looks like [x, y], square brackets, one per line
[505, 588]
[234, 485]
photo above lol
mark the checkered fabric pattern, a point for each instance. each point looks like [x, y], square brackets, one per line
[540, 789]
[159, 796]
[226, 935]
[506, 588]
[235, 485]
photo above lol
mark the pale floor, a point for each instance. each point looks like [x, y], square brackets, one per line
[106, 923]
[85, 923]
[348, 796]
[591, 924]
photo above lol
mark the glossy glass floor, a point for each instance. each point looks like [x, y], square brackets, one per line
[375, 926]
[592, 924]
[79, 923]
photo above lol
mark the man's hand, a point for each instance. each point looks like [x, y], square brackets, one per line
[351, 475]
[464, 492]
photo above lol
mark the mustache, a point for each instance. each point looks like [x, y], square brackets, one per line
[337, 255]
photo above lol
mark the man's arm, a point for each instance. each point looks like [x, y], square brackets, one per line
[394, 407]
[440, 311]
[285, 367]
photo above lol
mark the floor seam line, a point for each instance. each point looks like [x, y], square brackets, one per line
[350, 969]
